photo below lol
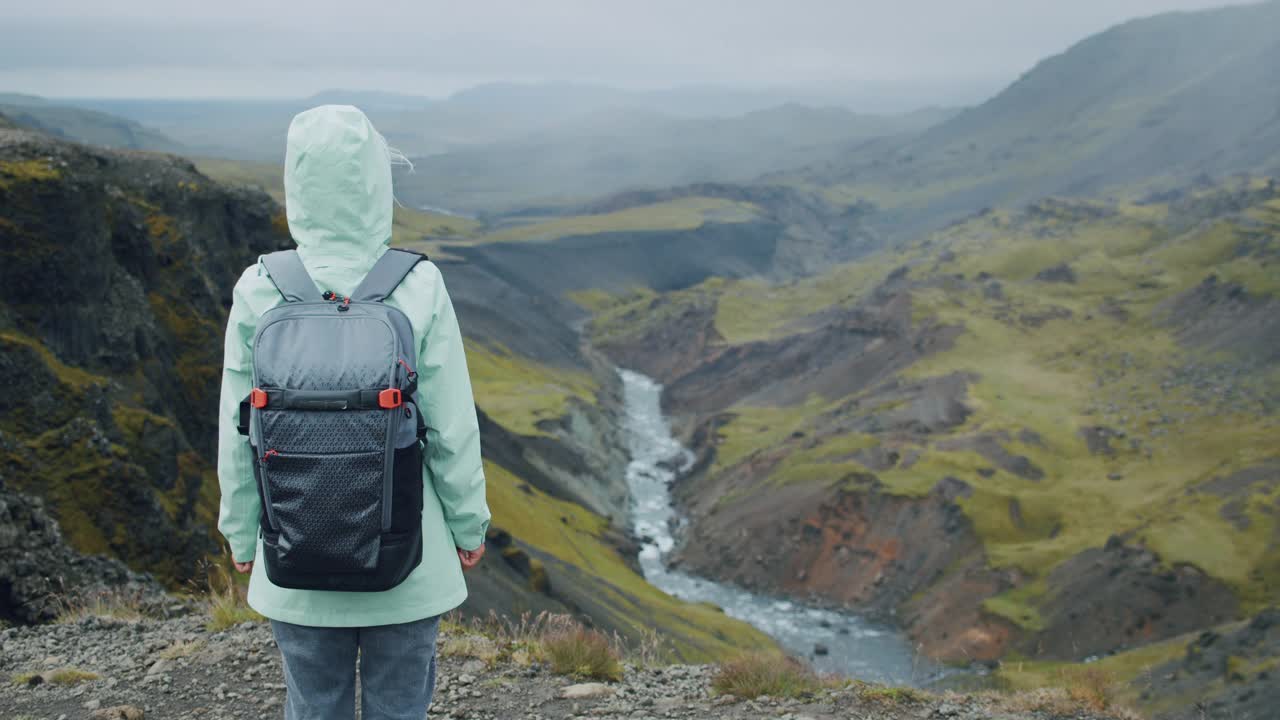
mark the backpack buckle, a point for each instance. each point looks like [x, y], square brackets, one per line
[390, 399]
[258, 398]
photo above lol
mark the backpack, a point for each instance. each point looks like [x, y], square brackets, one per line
[337, 438]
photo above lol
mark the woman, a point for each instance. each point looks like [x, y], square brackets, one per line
[338, 199]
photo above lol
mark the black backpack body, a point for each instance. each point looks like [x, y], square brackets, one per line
[337, 439]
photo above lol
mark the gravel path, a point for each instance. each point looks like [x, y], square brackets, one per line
[177, 669]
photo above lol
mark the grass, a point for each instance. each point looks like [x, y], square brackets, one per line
[893, 695]
[1018, 606]
[521, 393]
[1121, 669]
[758, 674]
[224, 600]
[634, 314]
[1068, 373]
[575, 535]
[113, 604]
[1048, 358]
[74, 377]
[496, 638]
[755, 309]
[15, 172]
[582, 652]
[680, 214]
[1046, 380]
[182, 648]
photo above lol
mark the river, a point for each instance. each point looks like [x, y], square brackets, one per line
[856, 647]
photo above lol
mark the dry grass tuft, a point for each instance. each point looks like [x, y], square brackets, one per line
[1061, 702]
[182, 648]
[523, 640]
[765, 673]
[894, 695]
[113, 604]
[61, 676]
[224, 599]
[582, 652]
[1093, 688]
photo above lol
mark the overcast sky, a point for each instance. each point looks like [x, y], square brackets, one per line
[944, 51]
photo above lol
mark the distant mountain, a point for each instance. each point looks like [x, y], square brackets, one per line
[495, 112]
[501, 145]
[577, 98]
[80, 125]
[624, 147]
[1162, 98]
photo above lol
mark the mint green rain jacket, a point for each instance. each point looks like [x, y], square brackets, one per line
[338, 199]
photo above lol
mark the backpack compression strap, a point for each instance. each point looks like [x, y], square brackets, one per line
[290, 276]
[387, 274]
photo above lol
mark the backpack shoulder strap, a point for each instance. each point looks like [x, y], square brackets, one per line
[386, 275]
[290, 276]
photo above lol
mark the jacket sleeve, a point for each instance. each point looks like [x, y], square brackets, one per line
[240, 505]
[453, 435]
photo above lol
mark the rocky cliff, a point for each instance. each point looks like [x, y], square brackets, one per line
[116, 270]
[40, 576]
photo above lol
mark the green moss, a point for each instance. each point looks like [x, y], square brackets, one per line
[1047, 360]
[17, 172]
[696, 632]
[1121, 670]
[74, 377]
[280, 223]
[1018, 606]
[680, 214]
[750, 429]
[755, 309]
[640, 312]
[521, 393]
[894, 695]
[593, 300]
[163, 229]
[136, 421]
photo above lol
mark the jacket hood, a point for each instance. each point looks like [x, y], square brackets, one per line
[337, 186]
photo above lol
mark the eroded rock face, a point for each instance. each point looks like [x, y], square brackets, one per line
[1122, 595]
[116, 271]
[39, 573]
[1233, 671]
[916, 559]
[1218, 316]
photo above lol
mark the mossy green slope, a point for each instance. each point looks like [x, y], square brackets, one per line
[520, 393]
[1075, 317]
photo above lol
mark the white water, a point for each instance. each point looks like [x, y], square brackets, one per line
[856, 647]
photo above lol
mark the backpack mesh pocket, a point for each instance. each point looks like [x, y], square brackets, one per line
[327, 510]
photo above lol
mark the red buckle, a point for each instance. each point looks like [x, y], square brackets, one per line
[258, 398]
[390, 399]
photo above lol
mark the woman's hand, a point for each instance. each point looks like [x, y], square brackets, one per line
[470, 558]
[244, 567]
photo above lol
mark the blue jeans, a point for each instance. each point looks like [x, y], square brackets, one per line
[397, 665]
